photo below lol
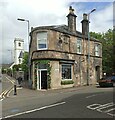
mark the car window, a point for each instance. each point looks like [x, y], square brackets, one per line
[113, 77]
[110, 78]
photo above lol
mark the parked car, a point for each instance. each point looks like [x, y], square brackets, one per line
[107, 82]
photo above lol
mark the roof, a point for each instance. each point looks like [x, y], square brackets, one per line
[21, 55]
[18, 39]
[63, 29]
[7, 65]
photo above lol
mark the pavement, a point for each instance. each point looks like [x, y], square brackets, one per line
[27, 92]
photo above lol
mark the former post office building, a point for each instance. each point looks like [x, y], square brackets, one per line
[61, 56]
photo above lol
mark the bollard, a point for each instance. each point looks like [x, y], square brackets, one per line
[15, 91]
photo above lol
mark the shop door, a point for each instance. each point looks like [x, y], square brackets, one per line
[43, 79]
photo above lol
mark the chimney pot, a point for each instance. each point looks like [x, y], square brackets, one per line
[71, 20]
[85, 24]
[85, 16]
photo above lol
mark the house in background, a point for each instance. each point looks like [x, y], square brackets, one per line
[59, 55]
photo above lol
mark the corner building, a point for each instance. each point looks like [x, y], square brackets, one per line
[59, 55]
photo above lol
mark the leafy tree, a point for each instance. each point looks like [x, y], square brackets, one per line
[107, 49]
[16, 67]
[24, 64]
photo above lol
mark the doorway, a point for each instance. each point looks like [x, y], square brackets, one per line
[97, 69]
[42, 79]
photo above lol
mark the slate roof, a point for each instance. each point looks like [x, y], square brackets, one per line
[63, 29]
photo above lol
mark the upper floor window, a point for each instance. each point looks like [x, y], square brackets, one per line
[97, 49]
[42, 40]
[79, 46]
[19, 44]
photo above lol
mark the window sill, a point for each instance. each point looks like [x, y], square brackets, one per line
[43, 49]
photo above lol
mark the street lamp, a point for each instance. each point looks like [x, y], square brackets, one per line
[88, 67]
[20, 19]
[28, 29]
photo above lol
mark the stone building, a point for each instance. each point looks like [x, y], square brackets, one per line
[59, 55]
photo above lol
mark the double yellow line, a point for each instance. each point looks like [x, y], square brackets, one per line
[6, 92]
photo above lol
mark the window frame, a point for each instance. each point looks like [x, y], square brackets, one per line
[46, 40]
[19, 44]
[97, 49]
[79, 44]
[64, 79]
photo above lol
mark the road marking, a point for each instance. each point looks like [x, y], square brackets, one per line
[97, 106]
[102, 108]
[12, 81]
[93, 106]
[34, 110]
[91, 96]
[6, 93]
[111, 114]
[105, 108]
[110, 110]
[1, 99]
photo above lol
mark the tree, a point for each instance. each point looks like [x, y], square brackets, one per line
[25, 62]
[107, 49]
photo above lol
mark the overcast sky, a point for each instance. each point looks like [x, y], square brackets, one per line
[47, 12]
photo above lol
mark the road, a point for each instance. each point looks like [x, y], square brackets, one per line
[6, 85]
[75, 106]
[87, 102]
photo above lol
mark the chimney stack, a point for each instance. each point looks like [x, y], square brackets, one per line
[85, 24]
[71, 20]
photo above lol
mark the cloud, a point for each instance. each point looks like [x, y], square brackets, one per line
[44, 12]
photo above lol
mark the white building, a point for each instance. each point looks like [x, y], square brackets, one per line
[18, 50]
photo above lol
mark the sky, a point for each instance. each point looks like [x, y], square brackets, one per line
[47, 12]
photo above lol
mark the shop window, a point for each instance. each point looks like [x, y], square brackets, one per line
[66, 71]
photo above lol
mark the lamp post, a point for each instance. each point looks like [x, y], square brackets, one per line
[20, 19]
[88, 66]
[28, 29]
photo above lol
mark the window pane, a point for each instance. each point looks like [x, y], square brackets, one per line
[42, 40]
[96, 50]
[41, 46]
[79, 46]
[66, 72]
[42, 66]
[42, 35]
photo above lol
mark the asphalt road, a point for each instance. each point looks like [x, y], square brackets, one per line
[6, 82]
[90, 102]
[73, 107]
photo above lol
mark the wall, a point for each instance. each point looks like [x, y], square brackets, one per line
[55, 75]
